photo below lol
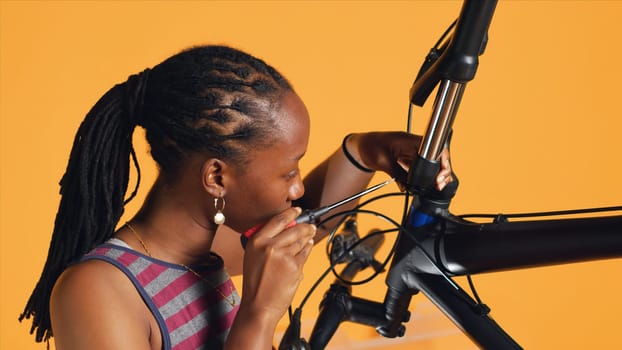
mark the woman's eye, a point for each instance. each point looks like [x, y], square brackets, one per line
[292, 174]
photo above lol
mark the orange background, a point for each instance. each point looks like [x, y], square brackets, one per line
[538, 129]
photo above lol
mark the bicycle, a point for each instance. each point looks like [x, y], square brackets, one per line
[435, 245]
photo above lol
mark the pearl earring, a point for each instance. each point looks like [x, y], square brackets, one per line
[219, 217]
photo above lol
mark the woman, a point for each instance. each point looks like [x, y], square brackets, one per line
[227, 132]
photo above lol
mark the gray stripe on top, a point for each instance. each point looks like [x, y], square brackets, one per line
[162, 281]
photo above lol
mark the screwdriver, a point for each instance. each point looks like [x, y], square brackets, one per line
[309, 216]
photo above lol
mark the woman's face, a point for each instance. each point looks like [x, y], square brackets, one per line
[271, 179]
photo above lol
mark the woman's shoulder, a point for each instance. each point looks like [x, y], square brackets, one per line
[91, 284]
[93, 271]
[94, 297]
[89, 273]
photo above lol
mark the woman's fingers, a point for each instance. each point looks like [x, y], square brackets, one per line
[296, 235]
[304, 253]
[298, 246]
[444, 176]
[278, 223]
[274, 260]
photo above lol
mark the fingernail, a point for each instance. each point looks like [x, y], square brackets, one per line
[403, 165]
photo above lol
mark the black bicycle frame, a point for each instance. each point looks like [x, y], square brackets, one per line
[449, 246]
[435, 245]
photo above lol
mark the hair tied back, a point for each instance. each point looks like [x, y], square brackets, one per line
[135, 88]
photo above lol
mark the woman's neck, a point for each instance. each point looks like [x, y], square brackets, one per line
[171, 226]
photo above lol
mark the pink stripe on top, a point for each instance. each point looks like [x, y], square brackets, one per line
[190, 312]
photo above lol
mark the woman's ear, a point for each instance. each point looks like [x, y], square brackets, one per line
[212, 175]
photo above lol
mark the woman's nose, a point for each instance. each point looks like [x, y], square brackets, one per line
[297, 190]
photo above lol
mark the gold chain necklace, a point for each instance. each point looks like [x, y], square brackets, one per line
[231, 301]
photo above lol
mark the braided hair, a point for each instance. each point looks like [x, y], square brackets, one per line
[212, 99]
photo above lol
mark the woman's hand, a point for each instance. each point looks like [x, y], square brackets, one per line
[393, 152]
[273, 264]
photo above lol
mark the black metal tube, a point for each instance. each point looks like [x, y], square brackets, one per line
[368, 312]
[338, 306]
[460, 60]
[470, 249]
[333, 310]
[465, 313]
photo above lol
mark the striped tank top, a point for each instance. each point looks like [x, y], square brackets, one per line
[192, 312]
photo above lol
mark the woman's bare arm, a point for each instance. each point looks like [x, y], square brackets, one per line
[94, 306]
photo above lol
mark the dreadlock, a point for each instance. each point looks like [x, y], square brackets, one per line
[212, 99]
